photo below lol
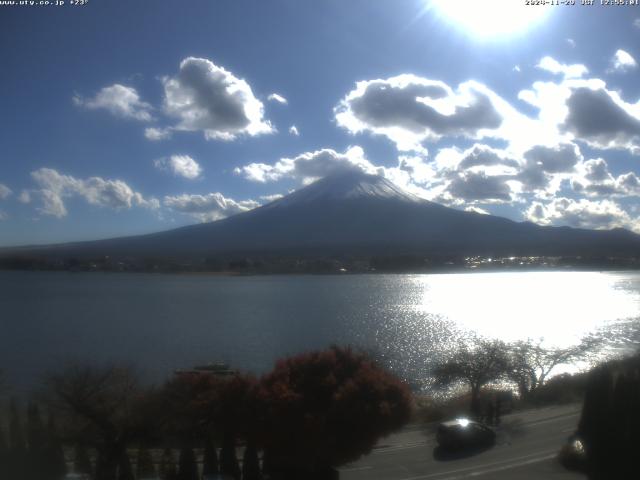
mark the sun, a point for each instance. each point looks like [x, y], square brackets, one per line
[490, 18]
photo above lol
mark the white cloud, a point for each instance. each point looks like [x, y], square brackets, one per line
[629, 183]
[585, 110]
[119, 100]
[560, 158]
[544, 168]
[52, 204]
[568, 71]
[209, 207]
[454, 159]
[416, 167]
[478, 186]
[488, 175]
[478, 174]
[24, 197]
[602, 119]
[54, 188]
[571, 42]
[274, 97]
[205, 97]
[485, 175]
[597, 170]
[4, 191]
[180, 165]
[271, 198]
[594, 179]
[155, 134]
[293, 130]
[481, 175]
[409, 109]
[582, 213]
[308, 166]
[623, 61]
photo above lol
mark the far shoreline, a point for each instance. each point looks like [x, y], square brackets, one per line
[224, 274]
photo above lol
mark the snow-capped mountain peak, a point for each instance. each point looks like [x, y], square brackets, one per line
[347, 186]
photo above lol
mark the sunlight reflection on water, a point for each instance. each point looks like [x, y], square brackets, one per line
[434, 312]
[560, 306]
[163, 322]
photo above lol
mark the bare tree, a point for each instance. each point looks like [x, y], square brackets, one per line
[530, 363]
[476, 362]
[102, 408]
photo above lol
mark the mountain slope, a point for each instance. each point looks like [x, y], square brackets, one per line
[355, 213]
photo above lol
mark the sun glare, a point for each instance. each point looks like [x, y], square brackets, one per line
[491, 18]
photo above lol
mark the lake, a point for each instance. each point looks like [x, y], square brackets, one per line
[162, 322]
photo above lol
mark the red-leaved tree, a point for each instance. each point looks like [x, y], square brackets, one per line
[324, 409]
[197, 406]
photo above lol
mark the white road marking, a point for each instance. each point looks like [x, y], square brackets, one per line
[406, 446]
[473, 471]
[554, 419]
[515, 465]
[395, 448]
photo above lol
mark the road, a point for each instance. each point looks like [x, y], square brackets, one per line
[526, 449]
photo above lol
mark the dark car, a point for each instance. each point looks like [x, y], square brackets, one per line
[464, 433]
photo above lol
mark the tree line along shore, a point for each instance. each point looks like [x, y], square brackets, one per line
[323, 264]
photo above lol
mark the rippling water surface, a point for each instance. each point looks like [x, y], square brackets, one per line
[162, 322]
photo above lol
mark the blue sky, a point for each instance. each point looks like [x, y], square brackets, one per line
[122, 117]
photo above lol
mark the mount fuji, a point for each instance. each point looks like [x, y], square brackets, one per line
[354, 213]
